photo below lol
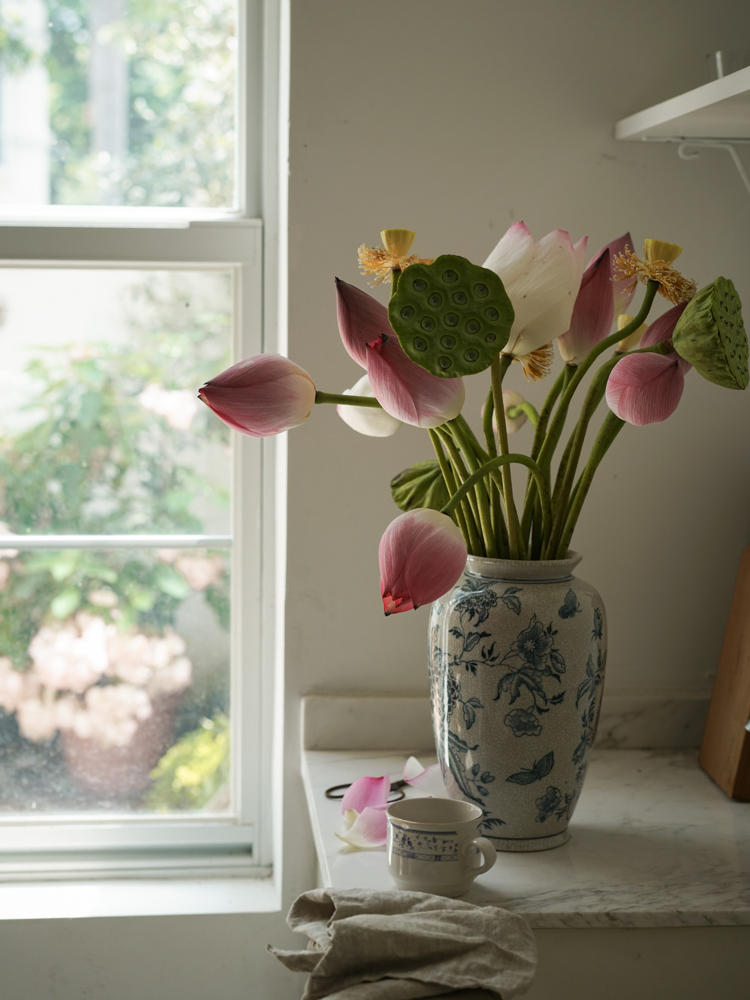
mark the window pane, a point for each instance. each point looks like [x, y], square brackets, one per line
[118, 102]
[100, 428]
[114, 680]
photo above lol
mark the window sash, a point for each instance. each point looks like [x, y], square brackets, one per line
[236, 247]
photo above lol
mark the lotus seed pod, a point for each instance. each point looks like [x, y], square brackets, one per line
[659, 250]
[452, 317]
[710, 335]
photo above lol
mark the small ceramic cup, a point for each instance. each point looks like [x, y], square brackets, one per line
[433, 845]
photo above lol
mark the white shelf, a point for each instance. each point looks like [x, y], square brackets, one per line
[717, 110]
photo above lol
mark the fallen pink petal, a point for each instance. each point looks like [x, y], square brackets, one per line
[366, 792]
[429, 780]
[422, 554]
[261, 396]
[366, 829]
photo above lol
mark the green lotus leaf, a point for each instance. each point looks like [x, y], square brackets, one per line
[421, 485]
[452, 317]
[710, 335]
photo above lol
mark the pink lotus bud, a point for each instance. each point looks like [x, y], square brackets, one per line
[422, 554]
[261, 396]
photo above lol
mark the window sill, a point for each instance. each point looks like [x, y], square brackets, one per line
[654, 844]
[157, 897]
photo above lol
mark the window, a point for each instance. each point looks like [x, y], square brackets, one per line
[136, 554]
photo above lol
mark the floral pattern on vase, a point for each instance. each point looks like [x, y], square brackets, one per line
[517, 659]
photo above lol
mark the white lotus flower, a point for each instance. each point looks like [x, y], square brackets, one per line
[542, 281]
[369, 420]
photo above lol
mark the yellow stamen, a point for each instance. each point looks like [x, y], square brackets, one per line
[672, 285]
[655, 250]
[382, 262]
[398, 241]
[633, 339]
[537, 364]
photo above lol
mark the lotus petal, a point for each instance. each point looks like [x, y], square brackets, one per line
[366, 792]
[362, 319]
[368, 828]
[407, 391]
[368, 420]
[593, 311]
[429, 780]
[662, 328]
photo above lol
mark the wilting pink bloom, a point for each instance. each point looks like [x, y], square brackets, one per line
[369, 420]
[542, 280]
[595, 305]
[261, 396]
[403, 388]
[422, 554]
[429, 780]
[646, 388]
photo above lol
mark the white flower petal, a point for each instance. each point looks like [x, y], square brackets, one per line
[364, 419]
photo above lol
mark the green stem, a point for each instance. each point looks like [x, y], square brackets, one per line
[609, 430]
[340, 397]
[539, 431]
[498, 368]
[556, 424]
[526, 407]
[469, 501]
[498, 518]
[501, 462]
[450, 482]
[483, 503]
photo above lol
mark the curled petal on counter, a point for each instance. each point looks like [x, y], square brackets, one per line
[429, 780]
[363, 807]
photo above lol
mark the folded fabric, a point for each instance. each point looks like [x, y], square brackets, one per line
[368, 945]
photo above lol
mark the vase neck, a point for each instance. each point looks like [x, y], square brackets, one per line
[532, 570]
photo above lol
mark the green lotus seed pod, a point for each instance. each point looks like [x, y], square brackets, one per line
[710, 335]
[452, 317]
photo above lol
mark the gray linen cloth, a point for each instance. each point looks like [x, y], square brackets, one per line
[368, 945]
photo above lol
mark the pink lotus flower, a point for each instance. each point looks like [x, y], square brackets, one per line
[364, 803]
[598, 301]
[646, 388]
[422, 554]
[542, 280]
[404, 389]
[261, 396]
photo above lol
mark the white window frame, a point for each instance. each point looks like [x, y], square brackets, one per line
[249, 242]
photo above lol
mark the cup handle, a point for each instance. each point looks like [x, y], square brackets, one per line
[487, 849]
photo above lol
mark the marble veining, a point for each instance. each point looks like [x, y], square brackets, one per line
[654, 843]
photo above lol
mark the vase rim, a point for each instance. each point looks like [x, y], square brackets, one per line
[539, 570]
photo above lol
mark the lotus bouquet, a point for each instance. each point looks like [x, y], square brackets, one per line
[448, 319]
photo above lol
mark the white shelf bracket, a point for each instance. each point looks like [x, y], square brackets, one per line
[689, 149]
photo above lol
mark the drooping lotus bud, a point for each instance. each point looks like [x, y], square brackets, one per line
[633, 339]
[711, 335]
[422, 554]
[646, 388]
[261, 396]
[374, 422]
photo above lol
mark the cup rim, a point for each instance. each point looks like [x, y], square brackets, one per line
[392, 813]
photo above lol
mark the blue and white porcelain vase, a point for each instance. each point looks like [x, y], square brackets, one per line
[517, 657]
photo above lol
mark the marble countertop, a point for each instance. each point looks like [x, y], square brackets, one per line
[654, 843]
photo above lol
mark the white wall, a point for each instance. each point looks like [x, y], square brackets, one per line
[456, 119]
